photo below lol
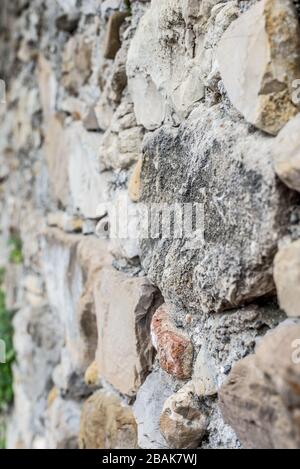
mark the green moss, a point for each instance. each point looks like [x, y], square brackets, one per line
[15, 256]
[6, 375]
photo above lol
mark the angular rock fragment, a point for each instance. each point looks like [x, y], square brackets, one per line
[259, 58]
[174, 348]
[287, 278]
[286, 154]
[124, 308]
[183, 422]
[134, 186]
[261, 398]
[106, 423]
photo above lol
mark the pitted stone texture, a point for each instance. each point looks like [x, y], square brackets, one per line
[174, 348]
[106, 423]
[259, 68]
[163, 77]
[261, 398]
[221, 166]
[286, 154]
[148, 407]
[183, 421]
[124, 308]
[287, 278]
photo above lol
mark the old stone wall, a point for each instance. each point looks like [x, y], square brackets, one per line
[131, 331]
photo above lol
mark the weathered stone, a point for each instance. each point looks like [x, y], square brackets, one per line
[113, 42]
[119, 151]
[124, 308]
[148, 407]
[174, 348]
[259, 75]
[226, 173]
[92, 377]
[183, 422]
[286, 154]
[163, 77]
[47, 86]
[63, 424]
[87, 187]
[57, 159]
[134, 186]
[261, 398]
[204, 375]
[65, 222]
[71, 266]
[287, 278]
[106, 423]
[77, 62]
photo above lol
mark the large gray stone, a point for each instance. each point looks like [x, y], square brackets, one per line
[225, 169]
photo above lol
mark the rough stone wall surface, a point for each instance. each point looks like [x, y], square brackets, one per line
[128, 334]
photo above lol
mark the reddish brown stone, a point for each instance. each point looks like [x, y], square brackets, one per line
[174, 348]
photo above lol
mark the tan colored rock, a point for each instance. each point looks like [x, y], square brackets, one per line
[120, 150]
[286, 154]
[113, 41]
[65, 222]
[124, 308]
[77, 62]
[91, 376]
[53, 394]
[204, 375]
[174, 348]
[107, 424]
[57, 158]
[259, 68]
[134, 185]
[261, 398]
[47, 86]
[183, 423]
[287, 278]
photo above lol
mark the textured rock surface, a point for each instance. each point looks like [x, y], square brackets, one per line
[126, 304]
[114, 116]
[286, 154]
[245, 211]
[107, 424]
[287, 277]
[259, 74]
[183, 422]
[261, 397]
[174, 348]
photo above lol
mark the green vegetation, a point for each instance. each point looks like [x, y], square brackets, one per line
[6, 377]
[15, 245]
[128, 6]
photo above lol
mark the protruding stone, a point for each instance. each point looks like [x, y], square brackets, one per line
[287, 278]
[261, 398]
[113, 41]
[106, 423]
[124, 308]
[148, 407]
[174, 348]
[183, 423]
[204, 375]
[92, 377]
[135, 182]
[285, 151]
[259, 68]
